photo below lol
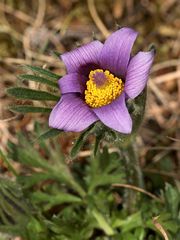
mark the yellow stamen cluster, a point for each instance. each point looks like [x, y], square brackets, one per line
[98, 95]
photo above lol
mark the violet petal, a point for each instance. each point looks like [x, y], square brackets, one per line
[82, 56]
[116, 115]
[72, 83]
[116, 51]
[71, 114]
[138, 73]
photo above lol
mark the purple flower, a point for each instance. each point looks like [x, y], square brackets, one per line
[100, 77]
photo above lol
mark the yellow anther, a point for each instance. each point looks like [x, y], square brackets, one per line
[102, 88]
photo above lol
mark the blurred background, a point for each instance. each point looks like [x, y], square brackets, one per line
[32, 31]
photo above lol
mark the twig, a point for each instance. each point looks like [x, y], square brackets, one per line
[158, 93]
[35, 25]
[165, 148]
[39, 57]
[173, 139]
[87, 153]
[8, 119]
[166, 77]
[159, 156]
[18, 14]
[160, 228]
[163, 173]
[63, 26]
[9, 60]
[96, 18]
[137, 189]
[12, 32]
[26, 45]
[40, 14]
[165, 64]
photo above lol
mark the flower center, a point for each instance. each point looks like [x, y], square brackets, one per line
[102, 88]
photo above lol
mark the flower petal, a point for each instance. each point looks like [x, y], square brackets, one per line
[72, 83]
[116, 115]
[71, 114]
[82, 56]
[116, 51]
[138, 72]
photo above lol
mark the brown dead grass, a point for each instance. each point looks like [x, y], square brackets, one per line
[31, 30]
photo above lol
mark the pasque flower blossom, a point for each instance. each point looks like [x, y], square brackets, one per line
[100, 78]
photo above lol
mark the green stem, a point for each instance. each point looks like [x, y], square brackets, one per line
[134, 174]
[68, 178]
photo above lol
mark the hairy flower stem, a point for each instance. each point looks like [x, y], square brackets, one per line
[129, 151]
[134, 174]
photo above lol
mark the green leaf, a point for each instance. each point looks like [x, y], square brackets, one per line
[39, 79]
[97, 142]
[172, 197]
[171, 226]
[103, 224]
[140, 233]
[131, 222]
[105, 169]
[25, 93]
[15, 230]
[128, 236]
[36, 230]
[42, 71]
[25, 153]
[80, 141]
[35, 178]
[102, 180]
[29, 109]
[31, 158]
[53, 200]
[49, 134]
[14, 210]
